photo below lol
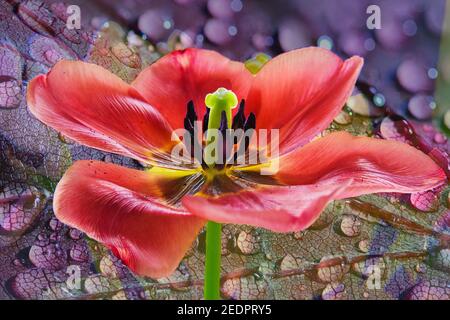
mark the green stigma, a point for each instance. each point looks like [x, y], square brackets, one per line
[219, 101]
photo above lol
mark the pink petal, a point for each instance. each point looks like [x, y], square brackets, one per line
[373, 165]
[280, 209]
[300, 92]
[171, 82]
[122, 209]
[94, 107]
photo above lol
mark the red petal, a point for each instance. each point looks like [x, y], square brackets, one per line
[280, 209]
[373, 165]
[171, 82]
[94, 107]
[119, 207]
[300, 92]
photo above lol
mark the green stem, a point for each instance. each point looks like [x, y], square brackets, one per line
[222, 100]
[212, 263]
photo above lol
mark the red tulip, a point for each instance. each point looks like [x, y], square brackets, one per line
[149, 218]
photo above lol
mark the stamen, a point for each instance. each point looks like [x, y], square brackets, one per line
[218, 116]
[250, 123]
[239, 118]
[190, 117]
[190, 138]
[205, 120]
[223, 122]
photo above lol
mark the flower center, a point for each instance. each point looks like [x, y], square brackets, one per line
[223, 136]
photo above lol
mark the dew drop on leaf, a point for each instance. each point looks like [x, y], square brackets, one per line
[333, 291]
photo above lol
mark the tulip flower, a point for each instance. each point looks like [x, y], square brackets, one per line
[149, 218]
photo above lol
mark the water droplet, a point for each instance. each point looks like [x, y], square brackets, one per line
[390, 131]
[289, 262]
[126, 56]
[439, 138]
[360, 105]
[343, 118]
[236, 5]
[229, 241]
[351, 225]
[11, 62]
[441, 260]
[41, 236]
[48, 51]
[111, 267]
[75, 234]
[10, 93]
[79, 252]
[413, 76]
[430, 290]
[134, 40]
[96, 284]
[447, 119]
[370, 44]
[19, 209]
[379, 100]
[427, 201]
[221, 9]
[55, 224]
[17, 262]
[151, 23]
[244, 288]
[248, 242]
[325, 42]
[179, 40]
[420, 106]
[331, 269]
[433, 73]
[232, 31]
[39, 284]
[217, 31]
[333, 291]
[52, 56]
[48, 256]
[409, 27]
[167, 24]
[10, 76]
